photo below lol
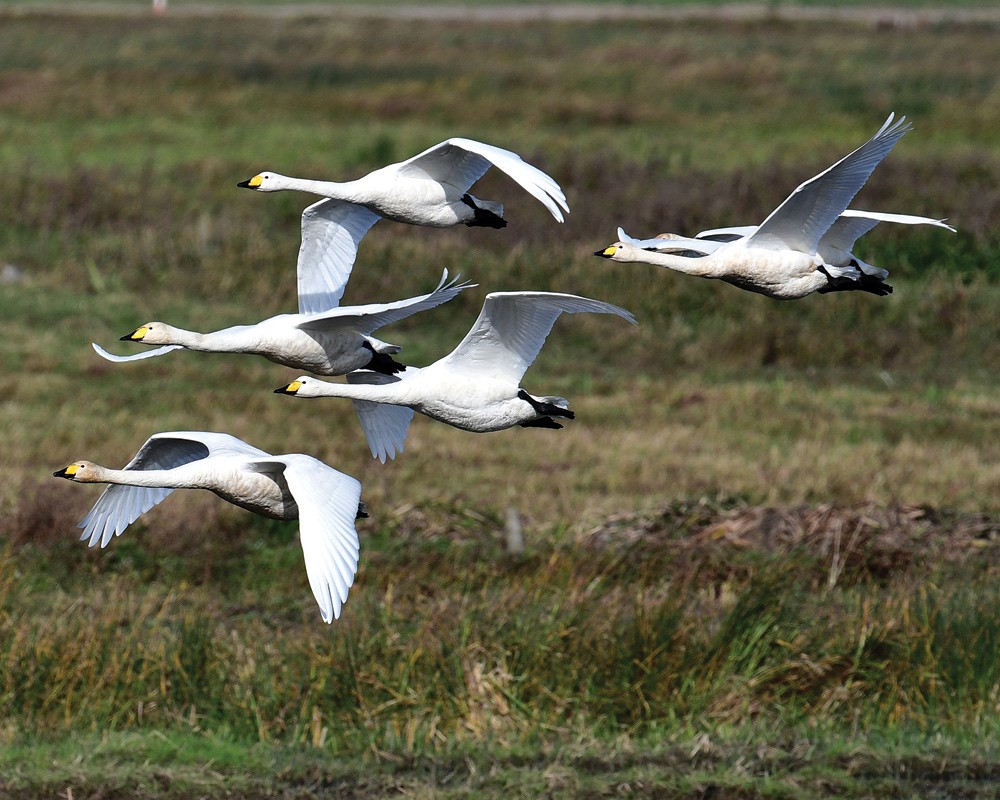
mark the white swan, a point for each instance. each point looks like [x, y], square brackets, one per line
[431, 188]
[476, 387]
[293, 486]
[780, 257]
[334, 342]
[835, 246]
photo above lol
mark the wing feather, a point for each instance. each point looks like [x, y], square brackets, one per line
[367, 319]
[461, 162]
[331, 233]
[385, 425]
[808, 212]
[328, 504]
[513, 326]
[158, 351]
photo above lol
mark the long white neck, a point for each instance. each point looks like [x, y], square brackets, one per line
[238, 339]
[152, 478]
[348, 190]
[393, 393]
[704, 267]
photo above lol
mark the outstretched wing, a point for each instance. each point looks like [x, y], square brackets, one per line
[385, 425]
[331, 233]
[461, 162]
[328, 505]
[119, 506]
[369, 318]
[157, 351]
[808, 212]
[511, 329]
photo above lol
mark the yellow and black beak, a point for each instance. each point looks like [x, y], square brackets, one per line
[136, 336]
[607, 252]
[291, 388]
[66, 472]
[252, 183]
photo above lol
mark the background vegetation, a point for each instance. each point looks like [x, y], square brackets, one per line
[762, 561]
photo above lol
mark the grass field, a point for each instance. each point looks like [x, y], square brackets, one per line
[762, 562]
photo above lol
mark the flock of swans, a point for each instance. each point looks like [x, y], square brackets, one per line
[803, 246]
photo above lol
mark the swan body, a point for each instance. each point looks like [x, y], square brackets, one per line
[333, 342]
[431, 188]
[783, 257]
[476, 387]
[287, 487]
[835, 247]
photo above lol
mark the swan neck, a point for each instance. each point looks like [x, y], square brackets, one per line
[152, 478]
[704, 267]
[333, 189]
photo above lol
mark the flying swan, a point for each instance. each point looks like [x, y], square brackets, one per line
[783, 257]
[293, 486]
[835, 247]
[332, 342]
[431, 188]
[476, 387]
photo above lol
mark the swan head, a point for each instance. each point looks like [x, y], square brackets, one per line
[619, 251]
[151, 333]
[303, 386]
[265, 182]
[79, 471]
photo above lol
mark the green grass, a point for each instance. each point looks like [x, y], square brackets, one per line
[760, 562]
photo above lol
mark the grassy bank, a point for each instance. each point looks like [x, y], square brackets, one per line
[761, 561]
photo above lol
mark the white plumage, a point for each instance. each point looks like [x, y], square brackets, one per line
[431, 188]
[332, 342]
[476, 387]
[783, 256]
[291, 486]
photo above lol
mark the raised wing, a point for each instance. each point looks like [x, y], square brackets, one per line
[328, 505]
[385, 425]
[119, 506]
[331, 233]
[369, 318]
[156, 351]
[461, 162]
[808, 212]
[511, 329]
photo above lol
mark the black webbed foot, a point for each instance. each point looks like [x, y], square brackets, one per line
[545, 409]
[381, 362]
[481, 217]
[542, 422]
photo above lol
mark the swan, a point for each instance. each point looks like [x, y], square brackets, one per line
[431, 188]
[835, 246]
[333, 342]
[476, 387]
[780, 257]
[293, 486]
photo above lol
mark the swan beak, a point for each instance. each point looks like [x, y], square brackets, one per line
[291, 388]
[65, 472]
[136, 336]
[253, 183]
[607, 252]
[362, 511]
